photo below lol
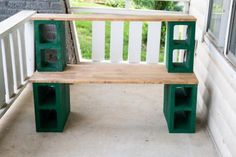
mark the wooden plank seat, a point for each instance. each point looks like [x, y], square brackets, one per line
[114, 73]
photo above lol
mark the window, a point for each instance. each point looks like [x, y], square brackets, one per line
[231, 52]
[222, 27]
[218, 19]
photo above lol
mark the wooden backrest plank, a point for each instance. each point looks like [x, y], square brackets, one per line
[113, 17]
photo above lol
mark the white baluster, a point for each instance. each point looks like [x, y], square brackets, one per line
[98, 41]
[29, 47]
[23, 50]
[135, 42]
[13, 60]
[117, 38]
[2, 83]
[7, 70]
[153, 42]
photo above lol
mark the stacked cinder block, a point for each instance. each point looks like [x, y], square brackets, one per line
[52, 100]
[180, 99]
[50, 45]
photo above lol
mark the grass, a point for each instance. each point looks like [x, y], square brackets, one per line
[84, 30]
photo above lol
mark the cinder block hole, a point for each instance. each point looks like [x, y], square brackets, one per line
[180, 32]
[47, 95]
[47, 33]
[182, 120]
[48, 119]
[179, 56]
[183, 96]
[49, 57]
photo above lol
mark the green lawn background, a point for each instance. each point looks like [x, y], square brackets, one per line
[84, 30]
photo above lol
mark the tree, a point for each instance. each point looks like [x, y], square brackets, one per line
[156, 5]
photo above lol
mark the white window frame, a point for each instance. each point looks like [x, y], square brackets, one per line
[211, 42]
[224, 24]
[229, 56]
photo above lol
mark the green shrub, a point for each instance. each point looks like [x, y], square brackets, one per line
[115, 3]
[84, 28]
[156, 5]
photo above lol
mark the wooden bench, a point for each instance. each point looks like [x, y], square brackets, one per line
[180, 89]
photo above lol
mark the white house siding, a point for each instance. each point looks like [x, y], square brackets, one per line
[217, 87]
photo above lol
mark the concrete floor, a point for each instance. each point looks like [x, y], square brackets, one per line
[106, 121]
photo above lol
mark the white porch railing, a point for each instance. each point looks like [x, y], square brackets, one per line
[16, 56]
[135, 36]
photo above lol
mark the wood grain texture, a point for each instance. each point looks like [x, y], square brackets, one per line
[114, 73]
[112, 17]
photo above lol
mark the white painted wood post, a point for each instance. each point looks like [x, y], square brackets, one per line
[75, 38]
[29, 47]
[7, 68]
[135, 42]
[117, 38]
[13, 60]
[2, 83]
[17, 59]
[186, 7]
[127, 4]
[153, 42]
[98, 41]
[20, 56]
[22, 40]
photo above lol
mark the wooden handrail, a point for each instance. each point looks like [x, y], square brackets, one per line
[113, 17]
[14, 21]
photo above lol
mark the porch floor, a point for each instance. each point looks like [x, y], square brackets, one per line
[105, 120]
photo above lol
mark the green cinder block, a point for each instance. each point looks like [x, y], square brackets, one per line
[188, 45]
[50, 45]
[52, 106]
[180, 108]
